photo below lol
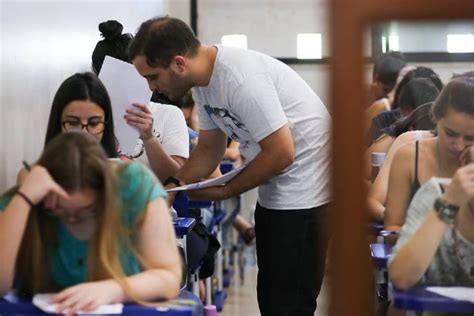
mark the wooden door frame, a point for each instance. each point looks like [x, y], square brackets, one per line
[349, 262]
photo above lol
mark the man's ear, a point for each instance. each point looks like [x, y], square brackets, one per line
[180, 62]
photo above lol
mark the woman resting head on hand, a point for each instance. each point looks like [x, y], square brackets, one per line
[93, 230]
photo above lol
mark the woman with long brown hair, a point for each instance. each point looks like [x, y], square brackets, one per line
[103, 235]
[416, 163]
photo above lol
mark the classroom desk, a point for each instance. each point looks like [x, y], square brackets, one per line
[375, 227]
[419, 299]
[380, 254]
[25, 307]
[183, 225]
[182, 204]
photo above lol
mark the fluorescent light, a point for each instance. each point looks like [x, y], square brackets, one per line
[460, 43]
[235, 40]
[393, 43]
[308, 46]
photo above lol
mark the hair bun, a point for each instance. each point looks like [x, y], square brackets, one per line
[110, 29]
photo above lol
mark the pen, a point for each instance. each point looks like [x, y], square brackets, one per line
[27, 166]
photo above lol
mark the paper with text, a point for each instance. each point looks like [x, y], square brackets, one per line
[210, 183]
[125, 86]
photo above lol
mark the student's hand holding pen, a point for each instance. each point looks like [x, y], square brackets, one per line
[38, 185]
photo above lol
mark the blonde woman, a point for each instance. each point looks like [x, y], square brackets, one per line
[103, 234]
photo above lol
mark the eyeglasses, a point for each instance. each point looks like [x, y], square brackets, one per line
[92, 127]
[77, 214]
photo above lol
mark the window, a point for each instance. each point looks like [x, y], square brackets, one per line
[460, 43]
[309, 46]
[235, 40]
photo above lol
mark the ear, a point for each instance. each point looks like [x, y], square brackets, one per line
[180, 62]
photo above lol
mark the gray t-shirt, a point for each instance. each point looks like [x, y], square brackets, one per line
[453, 263]
[250, 96]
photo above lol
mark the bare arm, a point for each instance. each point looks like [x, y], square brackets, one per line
[375, 109]
[36, 186]
[205, 157]
[160, 278]
[381, 145]
[277, 153]
[157, 243]
[378, 191]
[162, 164]
[415, 256]
[12, 227]
[399, 184]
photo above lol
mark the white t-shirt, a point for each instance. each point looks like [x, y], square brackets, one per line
[250, 96]
[170, 128]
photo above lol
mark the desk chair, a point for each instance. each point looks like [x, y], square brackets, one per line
[195, 210]
[380, 253]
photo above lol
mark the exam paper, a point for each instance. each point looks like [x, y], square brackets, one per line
[125, 86]
[455, 292]
[41, 301]
[210, 183]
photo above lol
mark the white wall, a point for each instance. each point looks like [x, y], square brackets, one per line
[427, 36]
[42, 43]
[271, 26]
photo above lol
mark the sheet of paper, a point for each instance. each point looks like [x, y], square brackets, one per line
[11, 297]
[41, 301]
[210, 183]
[125, 86]
[455, 292]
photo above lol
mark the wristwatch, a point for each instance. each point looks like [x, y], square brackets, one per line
[446, 212]
[172, 180]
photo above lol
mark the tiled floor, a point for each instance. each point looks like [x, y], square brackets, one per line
[242, 299]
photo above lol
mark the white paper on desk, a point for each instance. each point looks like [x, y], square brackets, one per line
[125, 86]
[455, 292]
[41, 301]
[210, 183]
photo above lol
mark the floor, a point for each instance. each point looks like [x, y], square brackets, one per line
[242, 298]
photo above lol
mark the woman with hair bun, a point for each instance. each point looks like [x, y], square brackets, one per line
[114, 44]
[164, 142]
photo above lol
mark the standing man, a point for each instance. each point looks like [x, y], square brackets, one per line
[284, 131]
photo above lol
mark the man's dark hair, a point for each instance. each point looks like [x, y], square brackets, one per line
[387, 66]
[162, 38]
